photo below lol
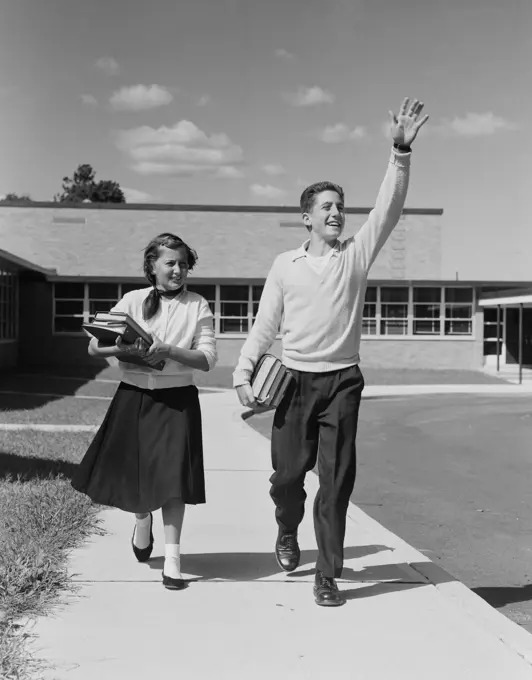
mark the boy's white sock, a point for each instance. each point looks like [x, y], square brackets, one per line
[172, 560]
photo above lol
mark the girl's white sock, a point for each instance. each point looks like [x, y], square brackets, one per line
[172, 561]
[142, 533]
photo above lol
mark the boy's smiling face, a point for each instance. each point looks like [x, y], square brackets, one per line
[327, 216]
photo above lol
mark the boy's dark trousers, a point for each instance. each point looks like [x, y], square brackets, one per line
[317, 421]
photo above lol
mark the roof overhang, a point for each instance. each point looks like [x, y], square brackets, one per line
[19, 264]
[507, 298]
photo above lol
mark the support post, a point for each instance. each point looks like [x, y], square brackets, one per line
[520, 343]
[498, 336]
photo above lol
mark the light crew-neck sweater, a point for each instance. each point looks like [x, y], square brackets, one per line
[319, 315]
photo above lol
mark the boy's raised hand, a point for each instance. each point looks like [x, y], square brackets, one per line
[405, 126]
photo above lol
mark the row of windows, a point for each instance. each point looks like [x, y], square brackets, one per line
[388, 310]
[403, 310]
[8, 305]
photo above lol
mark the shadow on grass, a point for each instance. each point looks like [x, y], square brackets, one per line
[29, 468]
[34, 387]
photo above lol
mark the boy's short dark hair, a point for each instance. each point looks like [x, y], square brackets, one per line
[308, 196]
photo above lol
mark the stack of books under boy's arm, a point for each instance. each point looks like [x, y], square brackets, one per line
[107, 327]
[269, 381]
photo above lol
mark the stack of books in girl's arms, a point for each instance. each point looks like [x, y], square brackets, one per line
[269, 381]
[107, 327]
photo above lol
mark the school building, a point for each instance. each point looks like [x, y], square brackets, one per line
[60, 264]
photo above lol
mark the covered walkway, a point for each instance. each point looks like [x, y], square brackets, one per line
[518, 332]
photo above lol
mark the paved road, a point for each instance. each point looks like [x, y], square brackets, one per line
[452, 475]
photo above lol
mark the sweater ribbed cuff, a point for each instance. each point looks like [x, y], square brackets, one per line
[401, 158]
[241, 378]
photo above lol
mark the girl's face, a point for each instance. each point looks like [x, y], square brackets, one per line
[171, 268]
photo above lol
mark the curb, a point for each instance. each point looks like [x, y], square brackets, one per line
[509, 633]
[453, 591]
[459, 595]
[42, 427]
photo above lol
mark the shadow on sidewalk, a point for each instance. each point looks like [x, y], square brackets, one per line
[499, 597]
[254, 566]
[380, 589]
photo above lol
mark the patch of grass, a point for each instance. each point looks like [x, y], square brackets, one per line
[221, 376]
[42, 519]
[37, 384]
[33, 454]
[21, 408]
[16, 659]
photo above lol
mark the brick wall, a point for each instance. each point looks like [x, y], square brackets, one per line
[98, 241]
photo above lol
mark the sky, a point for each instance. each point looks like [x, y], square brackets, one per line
[248, 101]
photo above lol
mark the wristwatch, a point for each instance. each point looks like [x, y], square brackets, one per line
[402, 147]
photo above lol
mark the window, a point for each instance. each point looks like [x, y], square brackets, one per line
[369, 315]
[102, 298]
[458, 311]
[69, 301]
[234, 304]
[128, 287]
[394, 311]
[427, 303]
[8, 305]
[490, 331]
[208, 292]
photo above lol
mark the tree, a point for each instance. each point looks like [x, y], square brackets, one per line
[15, 198]
[83, 187]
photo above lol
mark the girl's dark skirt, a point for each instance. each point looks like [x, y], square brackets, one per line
[148, 450]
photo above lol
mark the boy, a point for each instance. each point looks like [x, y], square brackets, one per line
[318, 293]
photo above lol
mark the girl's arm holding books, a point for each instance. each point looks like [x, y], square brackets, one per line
[96, 349]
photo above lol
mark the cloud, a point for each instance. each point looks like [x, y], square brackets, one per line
[283, 54]
[182, 149]
[137, 196]
[334, 134]
[108, 65]
[274, 169]
[309, 96]
[266, 191]
[140, 98]
[229, 172]
[204, 100]
[475, 125]
[89, 100]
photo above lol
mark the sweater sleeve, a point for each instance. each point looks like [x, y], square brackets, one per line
[123, 305]
[388, 208]
[265, 328]
[204, 338]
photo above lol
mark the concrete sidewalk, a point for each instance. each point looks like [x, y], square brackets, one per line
[241, 618]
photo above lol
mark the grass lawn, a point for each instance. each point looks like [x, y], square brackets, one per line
[67, 410]
[220, 377]
[41, 520]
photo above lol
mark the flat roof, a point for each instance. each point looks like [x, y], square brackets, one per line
[507, 298]
[286, 209]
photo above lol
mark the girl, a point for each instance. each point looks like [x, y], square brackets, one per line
[148, 452]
